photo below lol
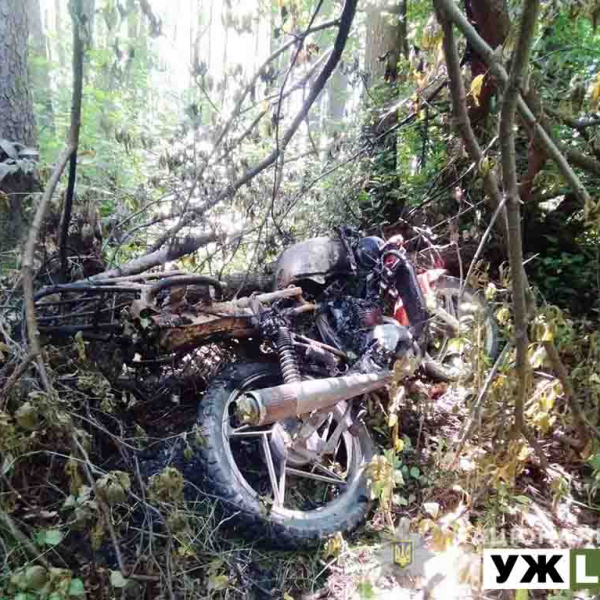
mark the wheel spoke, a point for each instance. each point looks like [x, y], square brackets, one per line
[315, 476]
[327, 427]
[342, 426]
[282, 481]
[271, 468]
[238, 433]
[330, 473]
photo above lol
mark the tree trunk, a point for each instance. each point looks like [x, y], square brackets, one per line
[39, 67]
[337, 92]
[58, 44]
[16, 117]
[383, 43]
[16, 105]
[382, 52]
[492, 21]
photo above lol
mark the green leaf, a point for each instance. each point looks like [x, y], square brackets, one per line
[218, 582]
[365, 590]
[49, 537]
[117, 580]
[414, 472]
[522, 595]
[76, 588]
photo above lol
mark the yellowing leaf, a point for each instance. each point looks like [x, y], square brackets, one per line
[476, 86]
[595, 92]
[522, 595]
[393, 419]
[399, 445]
[218, 582]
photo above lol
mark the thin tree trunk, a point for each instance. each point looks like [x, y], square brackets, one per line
[16, 117]
[62, 56]
[39, 67]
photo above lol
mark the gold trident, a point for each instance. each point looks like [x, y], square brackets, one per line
[403, 554]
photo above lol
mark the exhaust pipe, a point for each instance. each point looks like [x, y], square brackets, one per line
[269, 405]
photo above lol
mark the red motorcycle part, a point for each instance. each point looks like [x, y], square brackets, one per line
[426, 279]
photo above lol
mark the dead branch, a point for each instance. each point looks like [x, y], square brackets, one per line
[176, 249]
[179, 248]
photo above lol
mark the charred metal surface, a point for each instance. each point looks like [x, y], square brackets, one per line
[316, 259]
[178, 337]
[350, 321]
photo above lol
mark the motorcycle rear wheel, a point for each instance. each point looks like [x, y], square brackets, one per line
[235, 461]
[452, 357]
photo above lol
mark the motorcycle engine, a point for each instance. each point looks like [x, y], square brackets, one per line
[348, 321]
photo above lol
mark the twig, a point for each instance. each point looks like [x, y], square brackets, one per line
[15, 376]
[28, 544]
[484, 238]
[469, 426]
[87, 468]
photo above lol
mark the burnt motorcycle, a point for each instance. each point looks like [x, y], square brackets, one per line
[282, 441]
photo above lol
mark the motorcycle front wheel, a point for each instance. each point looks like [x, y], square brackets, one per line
[451, 354]
[289, 496]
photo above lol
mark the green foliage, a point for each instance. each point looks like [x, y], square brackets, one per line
[567, 279]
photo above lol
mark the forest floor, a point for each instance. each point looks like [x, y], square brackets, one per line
[495, 493]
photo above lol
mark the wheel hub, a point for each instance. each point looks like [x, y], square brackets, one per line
[297, 452]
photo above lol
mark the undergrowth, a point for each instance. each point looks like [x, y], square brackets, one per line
[95, 498]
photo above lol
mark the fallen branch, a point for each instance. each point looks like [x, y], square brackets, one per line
[176, 250]
[173, 251]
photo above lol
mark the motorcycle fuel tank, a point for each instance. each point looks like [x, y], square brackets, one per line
[316, 259]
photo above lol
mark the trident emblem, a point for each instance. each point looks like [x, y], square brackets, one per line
[403, 553]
